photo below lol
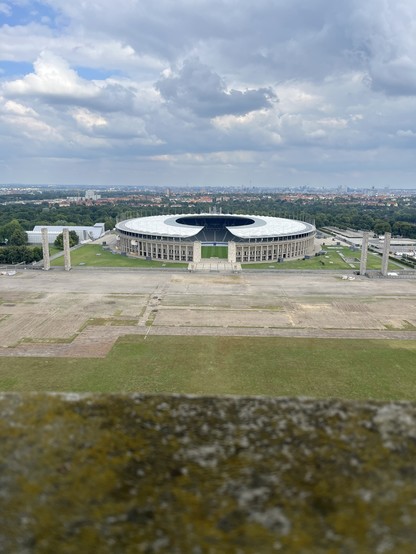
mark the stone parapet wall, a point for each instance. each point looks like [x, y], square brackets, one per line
[133, 473]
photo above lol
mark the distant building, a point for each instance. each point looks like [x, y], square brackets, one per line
[84, 232]
[91, 195]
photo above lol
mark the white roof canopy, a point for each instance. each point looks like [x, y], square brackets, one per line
[168, 226]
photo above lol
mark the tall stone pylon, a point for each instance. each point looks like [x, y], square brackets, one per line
[364, 253]
[386, 251]
[67, 253]
[232, 252]
[45, 249]
[197, 252]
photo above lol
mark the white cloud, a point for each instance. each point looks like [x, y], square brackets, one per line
[52, 78]
[87, 119]
[18, 109]
[406, 133]
[333, 122]
[295, 97]
[5, 9]
[18, 121]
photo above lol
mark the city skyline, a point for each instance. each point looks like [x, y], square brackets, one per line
[208, 93]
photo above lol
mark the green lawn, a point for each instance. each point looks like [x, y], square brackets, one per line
[53, 250]
[352, 369]
[331, 260]
[214, 252]
[94, 255]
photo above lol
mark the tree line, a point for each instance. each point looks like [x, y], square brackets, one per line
[340, 212]
[16, 218]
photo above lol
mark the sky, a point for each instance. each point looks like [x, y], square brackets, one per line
[208, 92]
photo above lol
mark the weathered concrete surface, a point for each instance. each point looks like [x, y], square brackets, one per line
[78, 313]
[131, 474]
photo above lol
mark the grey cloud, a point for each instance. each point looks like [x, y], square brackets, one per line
[267, 41]
[385, 33]
[344, 73]
[115, 97]
[275, 40]
[108, 98]
[396, 77]
[197, 88]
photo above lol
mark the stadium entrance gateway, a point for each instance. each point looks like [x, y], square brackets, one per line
[235, 238]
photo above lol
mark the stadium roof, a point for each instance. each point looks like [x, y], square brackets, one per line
[265, 226]
[161, 225]
[168, 226]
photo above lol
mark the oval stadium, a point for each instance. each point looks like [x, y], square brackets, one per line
[237, 238]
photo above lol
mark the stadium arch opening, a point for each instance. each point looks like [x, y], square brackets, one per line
[184, 238]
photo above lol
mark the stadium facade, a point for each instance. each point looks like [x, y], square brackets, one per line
[249, 239]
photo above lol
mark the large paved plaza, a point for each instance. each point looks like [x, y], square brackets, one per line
[82, 313]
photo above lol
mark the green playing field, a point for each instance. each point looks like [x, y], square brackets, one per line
[214, 252]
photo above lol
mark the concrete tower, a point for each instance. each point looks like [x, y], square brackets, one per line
[232, 252]
[197, 252]
[45, 249]
[386, 250]
[364, 252]
[67, 253]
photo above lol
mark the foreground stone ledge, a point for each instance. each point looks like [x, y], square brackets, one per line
[178, 474]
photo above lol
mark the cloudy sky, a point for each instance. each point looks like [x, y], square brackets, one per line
[208, 92]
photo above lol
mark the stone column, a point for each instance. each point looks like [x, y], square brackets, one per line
[386, 250]
[45, 249]
[197, 252]
[232, 252]
[67, 253]
[364, 252]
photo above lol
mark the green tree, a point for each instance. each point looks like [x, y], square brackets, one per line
[381, 227]
[7, 230]
[109, 223]
[18, 237]
[73, 240]
[404, 229]
[19, 254]
[37, 253]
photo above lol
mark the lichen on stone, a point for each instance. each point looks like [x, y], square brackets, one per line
[178, 474]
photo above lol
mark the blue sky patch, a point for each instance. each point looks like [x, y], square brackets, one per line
[14, 69]
[90, 73]
[23, 15]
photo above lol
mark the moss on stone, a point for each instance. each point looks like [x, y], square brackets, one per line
[132, 473]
